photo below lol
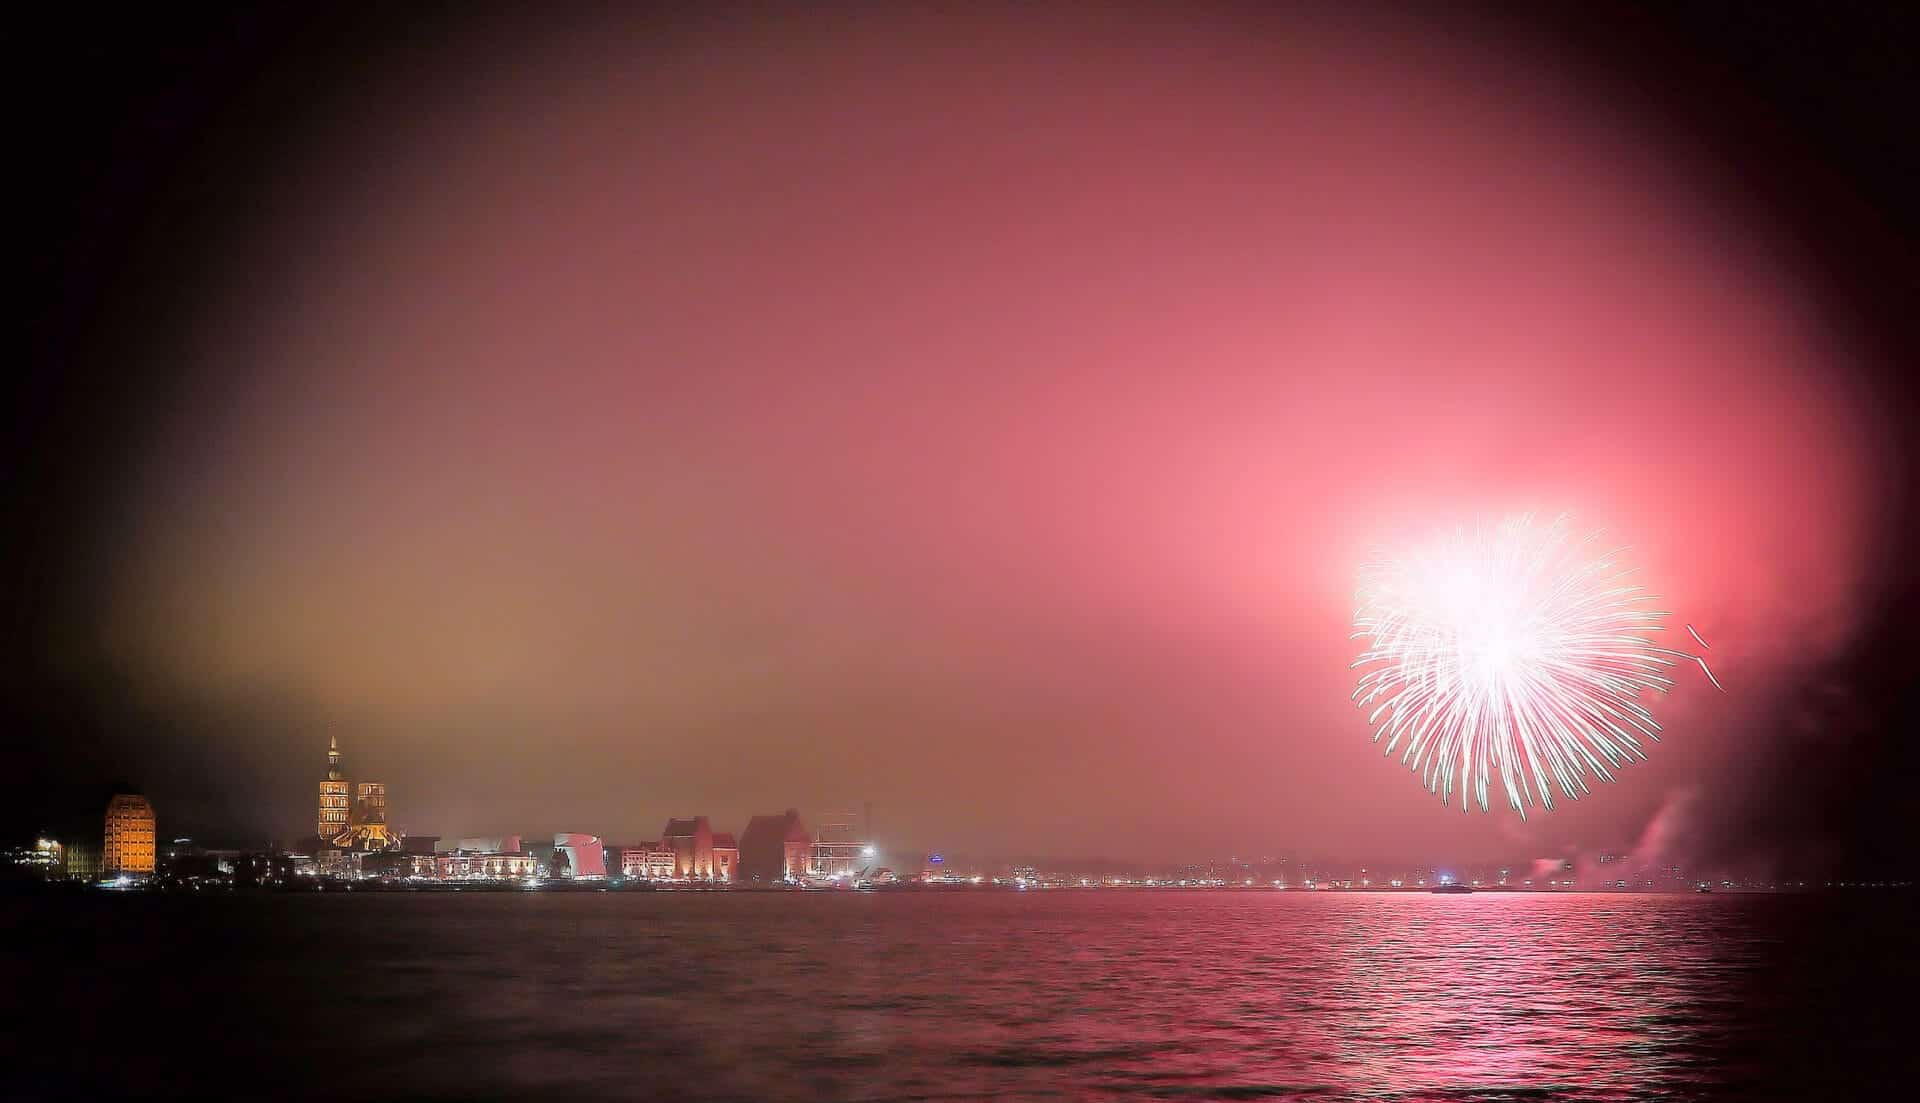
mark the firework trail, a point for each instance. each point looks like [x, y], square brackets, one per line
[1513, 649]
[1704, 646]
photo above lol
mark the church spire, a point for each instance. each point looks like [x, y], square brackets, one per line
[333, 758]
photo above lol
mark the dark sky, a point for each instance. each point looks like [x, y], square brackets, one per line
[979, 412]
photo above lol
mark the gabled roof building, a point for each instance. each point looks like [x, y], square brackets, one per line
[775, 848]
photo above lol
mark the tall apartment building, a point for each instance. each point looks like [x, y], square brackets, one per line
[128, 845]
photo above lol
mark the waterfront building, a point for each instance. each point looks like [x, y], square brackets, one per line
[585, 857]
[462, 865]
[775, 848]
[79, 861]
[338, 862]
[128, 844]
[691, 841]
[387, 866]
[42, 859]
[399, 865]
[726, 857]
[46, 859]
[649, 861]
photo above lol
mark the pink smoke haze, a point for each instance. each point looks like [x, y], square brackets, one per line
[983, 417]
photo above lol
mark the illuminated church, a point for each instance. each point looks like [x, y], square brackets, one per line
[352, 817]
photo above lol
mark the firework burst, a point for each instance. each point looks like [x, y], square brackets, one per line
[1517, 648]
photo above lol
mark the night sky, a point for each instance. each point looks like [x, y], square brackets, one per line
[978, 411]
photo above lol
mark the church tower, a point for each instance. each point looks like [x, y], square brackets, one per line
[334, 799]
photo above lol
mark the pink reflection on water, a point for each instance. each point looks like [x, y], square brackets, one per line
[1502, 992]
[1410, 996]
[1330, 997]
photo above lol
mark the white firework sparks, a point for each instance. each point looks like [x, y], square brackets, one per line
[1513, 649]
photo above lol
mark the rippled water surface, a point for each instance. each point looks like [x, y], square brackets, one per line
[968, 995]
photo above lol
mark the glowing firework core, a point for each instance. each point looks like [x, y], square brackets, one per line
[1512, 649]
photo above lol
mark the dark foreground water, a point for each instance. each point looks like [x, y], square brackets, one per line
[759, 996]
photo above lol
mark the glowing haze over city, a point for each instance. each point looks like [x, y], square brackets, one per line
[983, 416]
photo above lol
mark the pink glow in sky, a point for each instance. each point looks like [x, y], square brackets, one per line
[982, 415]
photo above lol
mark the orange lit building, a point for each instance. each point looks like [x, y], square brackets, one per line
[335, 813]
[128, 846]
[350, 817]
[369, 823]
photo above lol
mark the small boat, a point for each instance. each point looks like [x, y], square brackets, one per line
[1703, 888]
[1451, 888]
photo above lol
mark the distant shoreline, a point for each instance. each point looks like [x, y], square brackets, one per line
[25, 888]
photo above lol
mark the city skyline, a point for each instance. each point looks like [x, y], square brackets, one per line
[777, 850]
[1659, 860]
